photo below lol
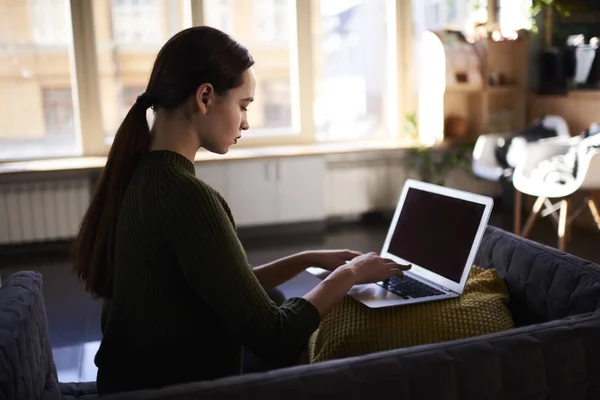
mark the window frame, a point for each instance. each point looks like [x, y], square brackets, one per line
[86, 102]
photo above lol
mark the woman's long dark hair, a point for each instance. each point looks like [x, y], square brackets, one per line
[190, 58]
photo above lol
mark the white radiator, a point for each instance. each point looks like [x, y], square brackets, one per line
[42, 211]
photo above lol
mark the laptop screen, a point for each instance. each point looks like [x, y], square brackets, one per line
[436, 232]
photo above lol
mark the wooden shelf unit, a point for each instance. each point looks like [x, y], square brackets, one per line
[489, 107]
[579, 108]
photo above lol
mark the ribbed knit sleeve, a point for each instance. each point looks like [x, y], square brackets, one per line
[198, 228]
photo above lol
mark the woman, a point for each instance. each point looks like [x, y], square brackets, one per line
[159, 246]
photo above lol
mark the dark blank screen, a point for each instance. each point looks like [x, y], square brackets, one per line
[436, 232]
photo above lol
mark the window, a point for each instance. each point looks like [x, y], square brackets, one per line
[462, 15]
[514, 15]
[58, 111]
[136, 21]
[277, 106]
[436, 14]
[220, 14]
[129, 97]
[44, 15]
[458, 14]
[327, 70]
[477, 13]
[355, 81]
[272, 112]
[272, 20]
[37, 116]
[129, 34]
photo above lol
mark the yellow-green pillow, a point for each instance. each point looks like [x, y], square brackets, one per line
[352, 329]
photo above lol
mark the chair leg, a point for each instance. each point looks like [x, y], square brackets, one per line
[518, 208]
[551, 211]
[537, 207]
[594, 210]
[562, 225]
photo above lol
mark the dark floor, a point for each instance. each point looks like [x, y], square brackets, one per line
[74, 317]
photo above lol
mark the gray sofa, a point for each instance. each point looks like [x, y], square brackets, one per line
[27, 370]
[553, 353]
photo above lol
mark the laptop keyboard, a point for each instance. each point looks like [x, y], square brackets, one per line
[406, 287]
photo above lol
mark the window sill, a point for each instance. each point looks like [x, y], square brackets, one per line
[91, 164]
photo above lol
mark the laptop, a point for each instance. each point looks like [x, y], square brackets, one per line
[436, 229]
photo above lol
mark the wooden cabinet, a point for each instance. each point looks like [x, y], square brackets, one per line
[251, 192]
[213, 174]
[275, 191]
[357, 186]
[300, 189]
[397, 174]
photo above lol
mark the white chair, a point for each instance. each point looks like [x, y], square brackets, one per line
[532, 177]
[485, 164]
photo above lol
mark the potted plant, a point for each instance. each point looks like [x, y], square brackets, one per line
[434, 164]
[563, 8]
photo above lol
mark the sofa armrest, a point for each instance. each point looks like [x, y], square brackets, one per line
[555, 360]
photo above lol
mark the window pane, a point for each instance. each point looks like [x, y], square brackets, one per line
[58, 111]
[355, 69]
[514, 15]
[461, 15]
[36, 100]
[277, 106]
[272, 21]
[129, 34]
[268, 29]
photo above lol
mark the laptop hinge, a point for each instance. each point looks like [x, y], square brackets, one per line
[446, 289]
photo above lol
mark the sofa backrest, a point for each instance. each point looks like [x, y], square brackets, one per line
[544, 283]
[27, 369]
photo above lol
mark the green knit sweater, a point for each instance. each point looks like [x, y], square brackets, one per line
[185, 299]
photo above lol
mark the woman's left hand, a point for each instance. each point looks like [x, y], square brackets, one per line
[330, 259]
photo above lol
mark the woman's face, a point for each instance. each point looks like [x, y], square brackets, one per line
[225, 117]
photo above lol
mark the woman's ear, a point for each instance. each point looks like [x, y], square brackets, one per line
[204, 97]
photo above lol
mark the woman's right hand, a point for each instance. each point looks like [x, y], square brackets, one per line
[370, 268]
[366, 268]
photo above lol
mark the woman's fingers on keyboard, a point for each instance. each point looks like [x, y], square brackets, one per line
[395, 264]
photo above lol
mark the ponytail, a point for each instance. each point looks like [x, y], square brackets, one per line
[93, 248]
